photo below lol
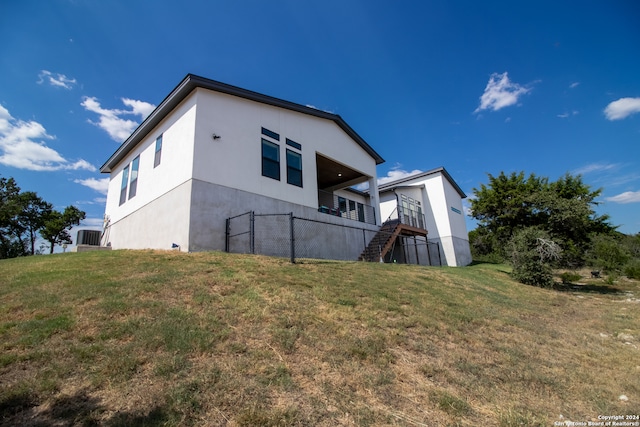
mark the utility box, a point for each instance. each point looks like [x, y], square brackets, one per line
[88, 237]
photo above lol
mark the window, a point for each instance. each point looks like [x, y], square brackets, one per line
[270, 159]
[270, 134]
[294, 144]
[123, 187]
[156, 160]
[134, 177]
[294, 168]
[342, 204]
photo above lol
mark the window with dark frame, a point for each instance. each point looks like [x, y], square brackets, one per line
[133, 186]
[294, 144]
[158, 155]
[294, 168]
[271, 134]
[123, 186]
[270, 159]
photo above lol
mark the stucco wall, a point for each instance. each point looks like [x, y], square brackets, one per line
[175, 168]
[213, 203]
[444, 225]
[157, 225]
[234, 160]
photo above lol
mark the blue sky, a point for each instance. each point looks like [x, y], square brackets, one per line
[478, 87]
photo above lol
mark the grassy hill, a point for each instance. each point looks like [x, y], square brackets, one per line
[152, 338]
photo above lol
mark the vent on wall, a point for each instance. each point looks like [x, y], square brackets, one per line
[88, 237]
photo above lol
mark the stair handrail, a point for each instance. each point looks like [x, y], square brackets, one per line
[395, 211]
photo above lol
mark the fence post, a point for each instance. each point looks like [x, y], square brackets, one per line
[227, 231]
[415, 246]
[293, 244]
[252, 232]
[364, 241]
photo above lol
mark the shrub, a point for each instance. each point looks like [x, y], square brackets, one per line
[531, 252]
[608, 254]
[632, 269]
[569, 277]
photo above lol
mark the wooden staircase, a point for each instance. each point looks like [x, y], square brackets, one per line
[383, 241]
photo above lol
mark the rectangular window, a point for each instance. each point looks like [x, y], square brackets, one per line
[123, 187]
[294, 168]
[270, 134]
[342, 204]
[294, 144]
[270, 160]
[360, 212]
[156, 160]
[134, 177]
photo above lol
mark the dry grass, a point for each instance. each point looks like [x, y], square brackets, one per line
[164, 338]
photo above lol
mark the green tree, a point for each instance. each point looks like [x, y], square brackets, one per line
[505, 205]
[564, 209]
[608, 253]
[58, 224]
[532, 251]
[11, 242]
[32, 216]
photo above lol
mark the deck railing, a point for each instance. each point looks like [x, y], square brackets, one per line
[333, 204]
[408, 217]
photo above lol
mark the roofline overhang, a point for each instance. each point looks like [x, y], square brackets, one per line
[390, 186]
[192, 82]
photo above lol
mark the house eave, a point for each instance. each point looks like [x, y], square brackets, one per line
[402, 182]
[192, 82]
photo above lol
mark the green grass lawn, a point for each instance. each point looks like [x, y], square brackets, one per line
[167, 338]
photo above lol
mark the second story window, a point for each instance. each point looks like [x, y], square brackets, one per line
[270, 159]
[294, 168]
[134, 177]
[123, 186]
[158, 156]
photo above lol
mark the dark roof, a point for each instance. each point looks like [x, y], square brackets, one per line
[192, 82]
[389, 186]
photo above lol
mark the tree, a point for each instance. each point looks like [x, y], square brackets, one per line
[564, 209]
[11, 242]
[32, 216]
[531, 253]
[505, 205]
[58, 224]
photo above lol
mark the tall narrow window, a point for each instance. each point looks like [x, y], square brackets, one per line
[156, 160]
[294, 168]
[123, 186]
[270, 160]
[134, 177]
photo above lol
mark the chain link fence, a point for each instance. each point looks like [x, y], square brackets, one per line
[296, 238]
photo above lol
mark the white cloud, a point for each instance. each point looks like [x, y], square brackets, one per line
[567, 115]
[500, 93]
[112, 121]
[596, 167]
[626, 197]
[56, 79]
[395, 174]
[21, 147]
[100, 185]
[622, 108]
[574, 85]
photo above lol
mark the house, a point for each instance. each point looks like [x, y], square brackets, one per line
[428, 201]
[216, 167]
[211, 151]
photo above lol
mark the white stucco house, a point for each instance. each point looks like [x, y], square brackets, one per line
[211, 151]
[429, 201]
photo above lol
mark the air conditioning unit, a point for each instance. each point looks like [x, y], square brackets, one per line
[88, 237]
